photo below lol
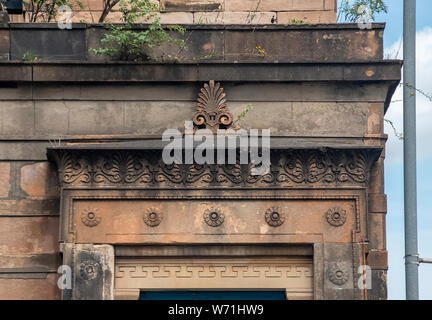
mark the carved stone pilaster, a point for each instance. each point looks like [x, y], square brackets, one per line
[92, 269]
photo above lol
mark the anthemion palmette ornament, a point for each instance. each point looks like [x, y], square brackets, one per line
[212, 110]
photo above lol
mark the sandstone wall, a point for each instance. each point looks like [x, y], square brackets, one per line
[46, 104]
[222, 11]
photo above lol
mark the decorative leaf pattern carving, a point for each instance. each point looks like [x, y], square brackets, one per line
[138, 168]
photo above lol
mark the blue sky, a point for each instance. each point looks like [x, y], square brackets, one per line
[394, 152]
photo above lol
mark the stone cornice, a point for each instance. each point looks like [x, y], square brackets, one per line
[145, 169]
[76, 72]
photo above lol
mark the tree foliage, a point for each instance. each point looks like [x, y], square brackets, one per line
[46, 10]
[352, 10]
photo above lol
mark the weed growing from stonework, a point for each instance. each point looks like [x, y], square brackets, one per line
[242, 115]
[124, 43]
[29, 57]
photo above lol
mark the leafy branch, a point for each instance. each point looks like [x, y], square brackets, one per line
[353, 10]
[46, 10]
[398, 135]
[242, 115]
[427, 95]
[122, 42]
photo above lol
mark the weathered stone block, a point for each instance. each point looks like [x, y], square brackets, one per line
[375, 118]
[68, 44]
[144, 117]
[192, 5]
[308, 4]
[177, 18]
[379, 285]
[22, 91]
[330, 5]
[4, 19]
[258, 5]
[28, 151]
[377, 231]
[30, 289]
[34, 263]
[17, 118]
[95, 117]
[377, 260]
[93, 271]
[40, 180]
[28, 235]
[339, 280]
[87, 17]
[234, 17]
[28, 207]
[329, 119]
[306, 16]
[4, 43]
[319, 45]
[4, 178]
[202, 46]
[52, 118]
[377, 203]
[91, 5]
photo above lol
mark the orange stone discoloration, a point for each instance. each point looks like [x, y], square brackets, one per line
[39, 180]
[30, 289]
[4, 178]
[303, 220]
[28, 235]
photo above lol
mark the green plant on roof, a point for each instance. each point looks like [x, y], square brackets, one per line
[124, 43]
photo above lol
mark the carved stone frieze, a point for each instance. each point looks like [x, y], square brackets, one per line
[289, 168]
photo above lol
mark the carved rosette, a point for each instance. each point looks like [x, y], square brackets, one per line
[338, 274]
[214, 217]
[90, 217]
[88, 270]
[212, 110]
[152, 217]
[336, 216]
[274, 216]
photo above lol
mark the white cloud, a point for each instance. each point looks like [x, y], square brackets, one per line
[424, 105]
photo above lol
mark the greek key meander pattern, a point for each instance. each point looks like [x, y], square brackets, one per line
[282, 271]
[145, 168]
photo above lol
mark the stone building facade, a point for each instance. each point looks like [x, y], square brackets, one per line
[219, 11]
[83, 184]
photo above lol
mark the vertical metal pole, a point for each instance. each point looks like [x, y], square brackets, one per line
[410, 158]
